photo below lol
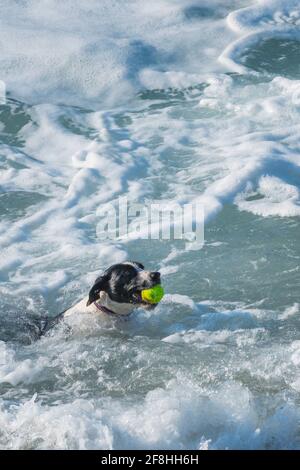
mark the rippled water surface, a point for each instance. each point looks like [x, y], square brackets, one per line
[183, 101]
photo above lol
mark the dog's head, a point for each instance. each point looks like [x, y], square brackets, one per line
[123, 283]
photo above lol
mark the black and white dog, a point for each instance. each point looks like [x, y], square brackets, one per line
[117, 292]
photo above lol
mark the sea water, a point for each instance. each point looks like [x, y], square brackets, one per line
[170, 100]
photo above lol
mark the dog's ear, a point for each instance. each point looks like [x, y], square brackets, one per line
[100, 284]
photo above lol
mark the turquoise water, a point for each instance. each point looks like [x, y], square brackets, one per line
[155, 116]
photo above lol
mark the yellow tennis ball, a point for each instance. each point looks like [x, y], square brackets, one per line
[153, 295]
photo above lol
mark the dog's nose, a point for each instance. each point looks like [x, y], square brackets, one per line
[155, 276]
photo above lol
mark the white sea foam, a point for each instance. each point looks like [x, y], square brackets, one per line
[15, 371]
[274, 198]
[83, 53]
[290, 312]
[220, 373]
[265, 19]
[178, 417]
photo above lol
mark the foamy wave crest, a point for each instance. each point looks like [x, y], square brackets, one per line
[263, 21]
[179, 417]
[90, 52]
[272, 197]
